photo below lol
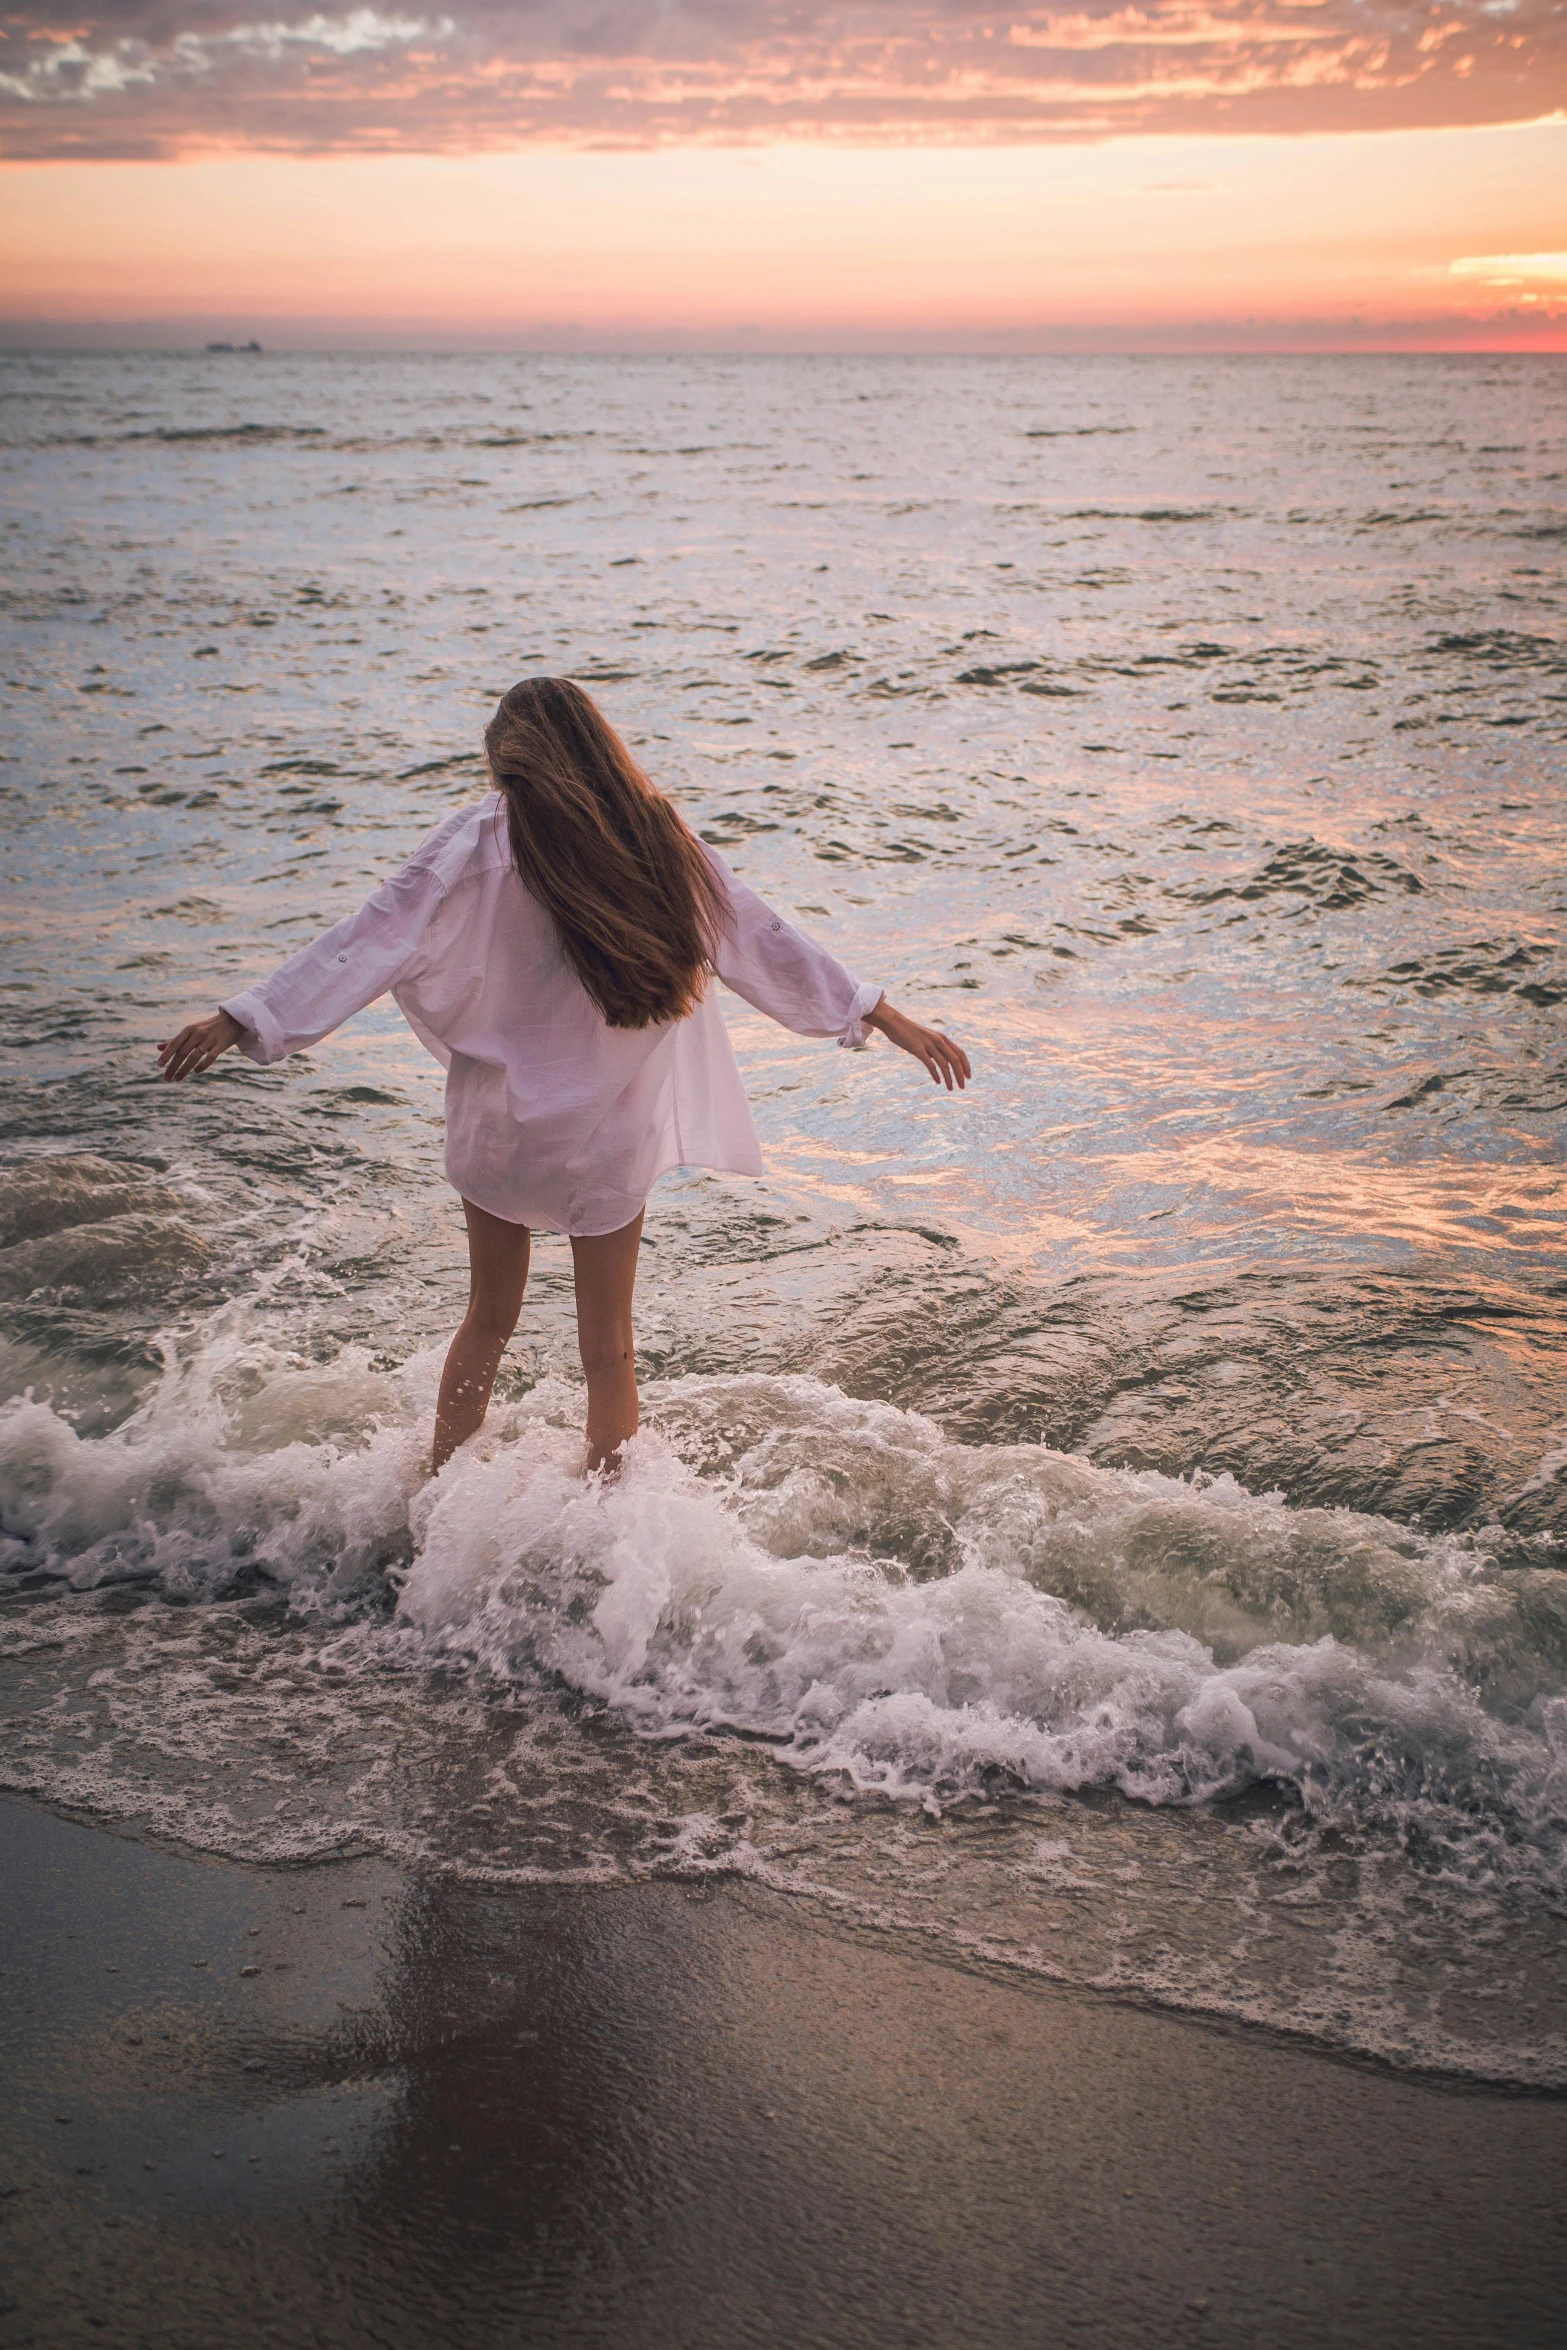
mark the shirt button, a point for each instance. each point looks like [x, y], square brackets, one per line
[778, 926]
[342, 958]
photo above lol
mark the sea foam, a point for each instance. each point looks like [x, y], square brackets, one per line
[906, 1614]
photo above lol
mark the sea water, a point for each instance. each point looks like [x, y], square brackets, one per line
[1106, 1525]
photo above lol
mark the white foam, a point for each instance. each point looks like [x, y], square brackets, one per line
[920, 1617]
[242, 1456]
[655, 1595]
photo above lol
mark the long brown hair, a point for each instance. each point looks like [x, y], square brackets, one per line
[638, 908]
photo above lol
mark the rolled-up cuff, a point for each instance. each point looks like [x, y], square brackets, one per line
[852, 1035]
[263, 1040]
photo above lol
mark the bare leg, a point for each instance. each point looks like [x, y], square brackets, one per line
[497, 1276]
[606, 1270]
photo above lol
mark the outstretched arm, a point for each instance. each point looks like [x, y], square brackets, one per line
[794, 980]
[323, 985]
[783, 971]
[947, 1062]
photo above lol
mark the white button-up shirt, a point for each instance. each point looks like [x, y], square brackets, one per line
[553, 1118]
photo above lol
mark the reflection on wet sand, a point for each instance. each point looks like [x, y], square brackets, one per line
[435, 2112]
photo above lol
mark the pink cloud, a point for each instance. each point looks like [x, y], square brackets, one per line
[154, 77]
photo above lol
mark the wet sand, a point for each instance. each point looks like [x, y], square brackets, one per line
[356, 2105]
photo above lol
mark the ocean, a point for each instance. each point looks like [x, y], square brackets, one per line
[1107, 1526]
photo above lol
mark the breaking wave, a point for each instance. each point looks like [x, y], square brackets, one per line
[914, 1616]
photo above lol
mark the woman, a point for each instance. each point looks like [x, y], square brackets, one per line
[551, 947]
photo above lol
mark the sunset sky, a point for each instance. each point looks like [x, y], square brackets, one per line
[1251, 174]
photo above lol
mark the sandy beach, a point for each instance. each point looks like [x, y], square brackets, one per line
[347, 2105]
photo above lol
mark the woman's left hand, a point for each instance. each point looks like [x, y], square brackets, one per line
[198, 1046]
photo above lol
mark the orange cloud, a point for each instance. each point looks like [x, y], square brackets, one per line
[1541, 270]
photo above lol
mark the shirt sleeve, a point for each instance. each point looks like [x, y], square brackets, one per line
[783, 972]
[339, 973]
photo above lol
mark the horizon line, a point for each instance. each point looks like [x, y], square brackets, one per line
[202, 331]
[231, 346]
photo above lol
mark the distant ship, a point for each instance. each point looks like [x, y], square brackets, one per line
[252, 346]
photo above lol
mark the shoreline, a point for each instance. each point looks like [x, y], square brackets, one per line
[351, 2103]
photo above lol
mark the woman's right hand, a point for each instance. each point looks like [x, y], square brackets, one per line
[198, 1046]
[947, 1062]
